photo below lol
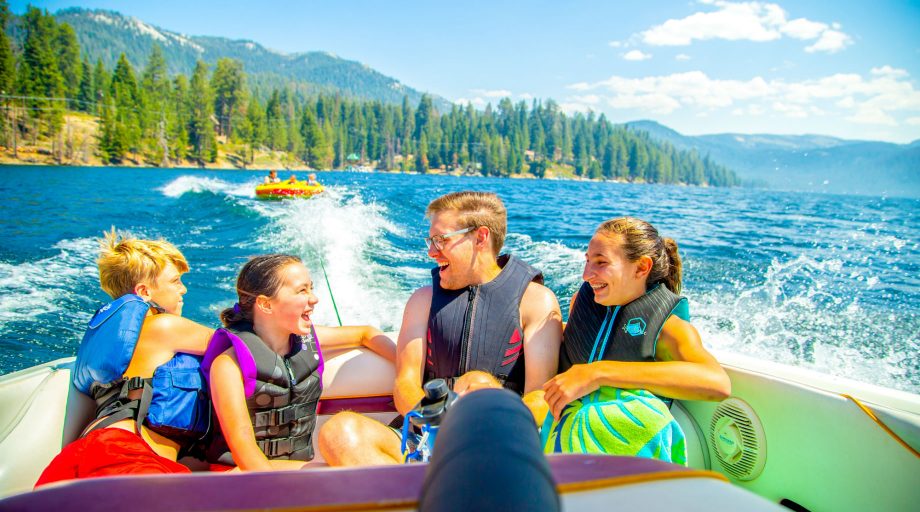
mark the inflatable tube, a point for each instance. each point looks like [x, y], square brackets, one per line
[287, 189]
[488, 457]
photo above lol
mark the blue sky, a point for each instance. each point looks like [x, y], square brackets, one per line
[843, 68]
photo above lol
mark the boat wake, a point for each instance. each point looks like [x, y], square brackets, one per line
[44, 297]
[809, 313]
[198, 184]
[561, 265]
[340, 237]
[44, 286]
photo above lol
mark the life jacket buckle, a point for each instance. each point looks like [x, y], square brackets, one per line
[130, 385]
[276, 417]
[276, 447]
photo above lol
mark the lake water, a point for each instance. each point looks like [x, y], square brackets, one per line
[827, 282]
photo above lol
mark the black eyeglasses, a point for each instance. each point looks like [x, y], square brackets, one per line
[438, 240]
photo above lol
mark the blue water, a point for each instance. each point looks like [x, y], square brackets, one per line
[826, 282]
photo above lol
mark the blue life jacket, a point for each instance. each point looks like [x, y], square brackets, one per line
[479, 327]
[173, 402]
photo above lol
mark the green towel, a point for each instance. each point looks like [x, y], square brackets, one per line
[616, 421]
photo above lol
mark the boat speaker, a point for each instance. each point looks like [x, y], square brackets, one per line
[738, 439]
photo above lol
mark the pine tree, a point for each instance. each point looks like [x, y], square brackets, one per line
[156, 92]
[7, 62]
[317, 150]
[179, 117]
[123, 92]
[100, 84]
[421, 156]
[67, 50]
[39, 76]
[228, 84]
[276, 126]
[85, 98]
[201, 117]
[112, 146]
[255, 116]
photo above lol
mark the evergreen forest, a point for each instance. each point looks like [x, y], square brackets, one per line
[151, 117]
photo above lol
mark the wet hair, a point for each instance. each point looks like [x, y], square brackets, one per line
[475, 209]
[639, 238]
[125, 262]
[260, 276]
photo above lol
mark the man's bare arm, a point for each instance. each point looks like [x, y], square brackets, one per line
[542, 322]
[410, 351]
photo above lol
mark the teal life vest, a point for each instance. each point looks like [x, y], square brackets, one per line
[173, 402]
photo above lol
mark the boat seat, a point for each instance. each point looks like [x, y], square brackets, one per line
[42, 412]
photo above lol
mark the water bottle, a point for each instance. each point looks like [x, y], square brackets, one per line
[427, 415]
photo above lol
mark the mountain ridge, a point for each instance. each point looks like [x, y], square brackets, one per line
[811, 162]
[105, 34]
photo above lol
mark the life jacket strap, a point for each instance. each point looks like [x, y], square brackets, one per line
[283, 446]
[121, 406]
[282, 415]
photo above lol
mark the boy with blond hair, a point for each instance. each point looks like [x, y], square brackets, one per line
[140, 361]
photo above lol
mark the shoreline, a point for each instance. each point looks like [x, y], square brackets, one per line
[6, 161]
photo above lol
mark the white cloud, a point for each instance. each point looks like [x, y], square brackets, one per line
[801, 28]
[831, 41]
[746, 21]
[873, 116]
[681, 56]
[636, 55]
[588, 99]
[846, 102]
[655, 103]
[476, 102]
[750, 110]
[913, 121]
[496, 93]
[881, 97]
[571, 107]
[889, 71]
[789, 109]
[616, 44]
[733, 21]
[482, 97]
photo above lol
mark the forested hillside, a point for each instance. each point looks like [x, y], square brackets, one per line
[149, 115]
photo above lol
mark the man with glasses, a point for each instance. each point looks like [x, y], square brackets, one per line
[485, 321]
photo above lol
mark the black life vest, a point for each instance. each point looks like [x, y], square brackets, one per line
[281, 392]
[479, 327]
[617, 333]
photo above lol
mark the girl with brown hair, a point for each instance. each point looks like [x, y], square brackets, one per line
[628, 342]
